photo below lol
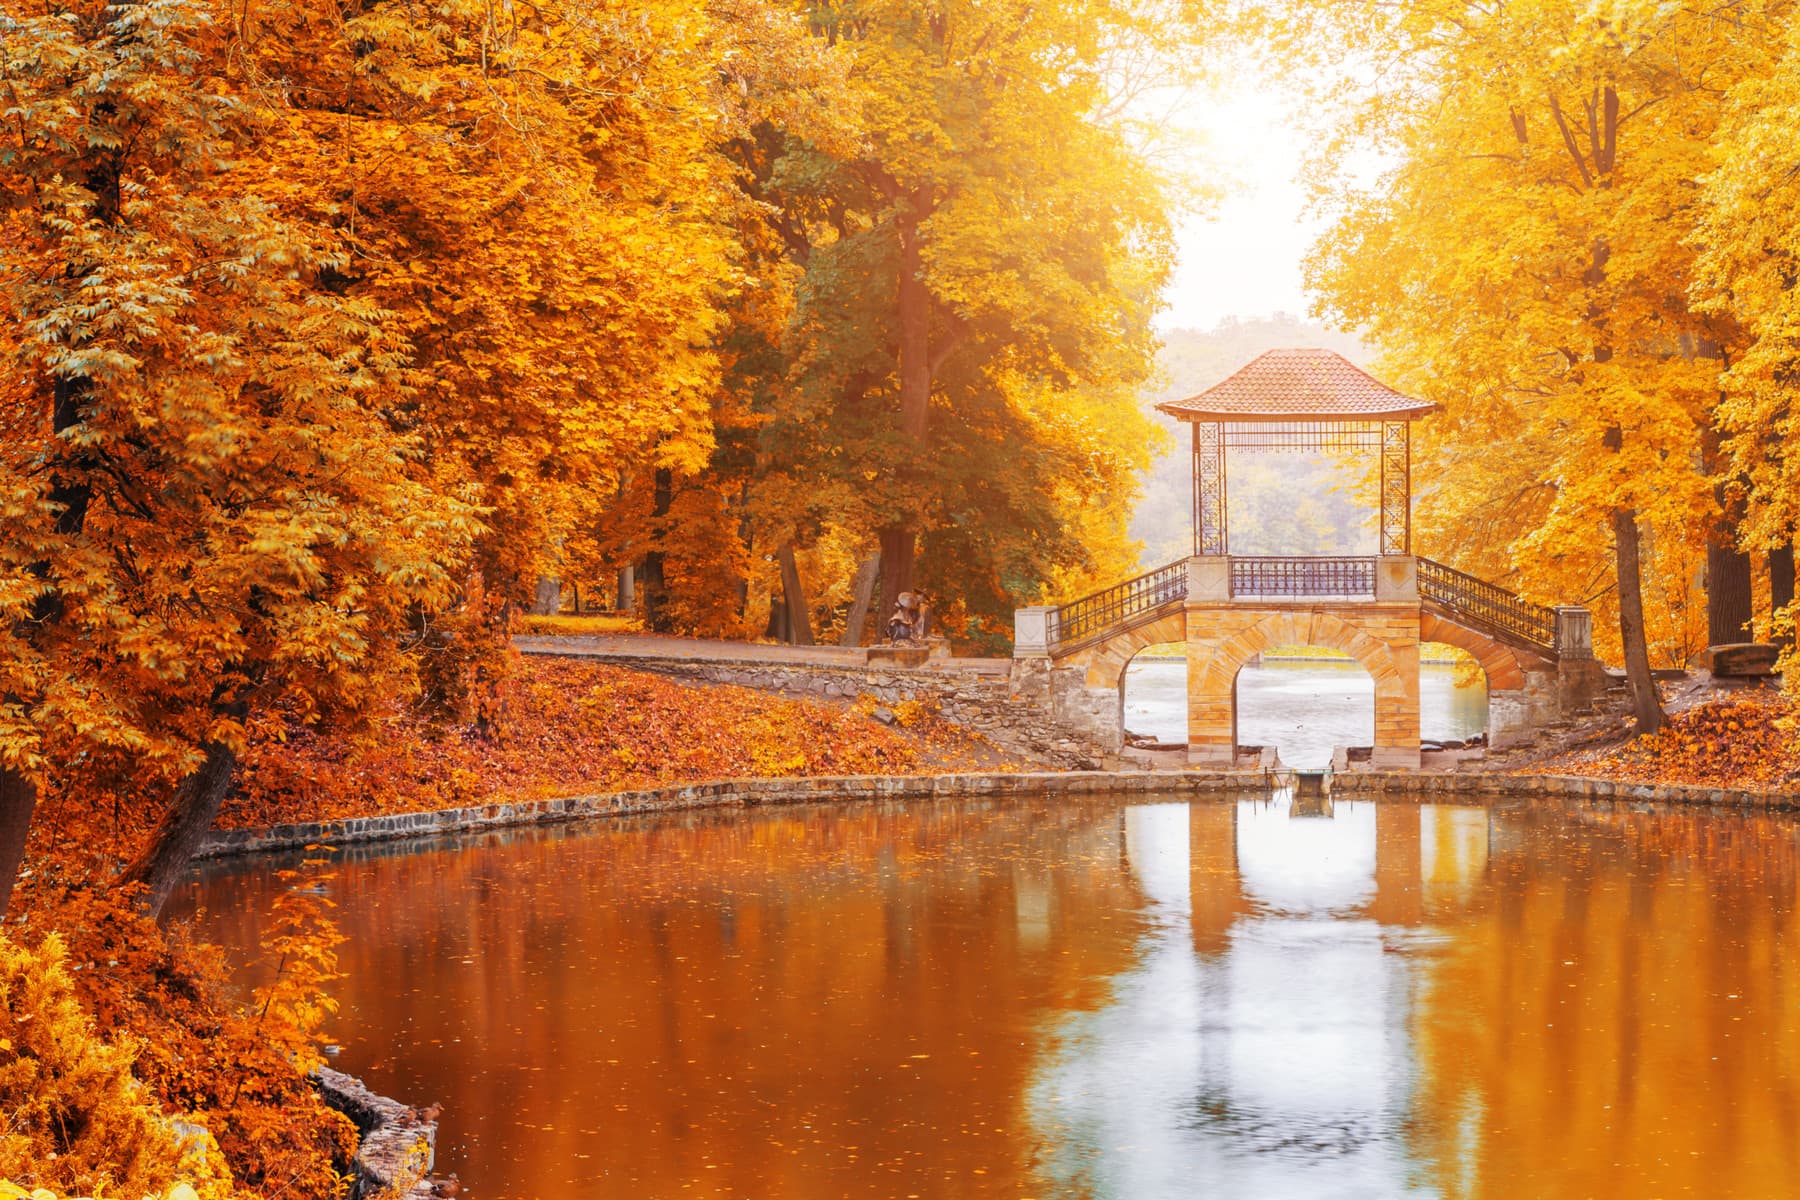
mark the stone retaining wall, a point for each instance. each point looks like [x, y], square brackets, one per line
[1425, 786]
[724, 793]
[1020, 716]
[399, 1143]
[747, 793]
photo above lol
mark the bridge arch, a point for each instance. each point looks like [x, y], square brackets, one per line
[1107, 661]
[1212, 684]
[1503, 665]
[1218, 675]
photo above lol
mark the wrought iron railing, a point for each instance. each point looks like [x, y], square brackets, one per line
[1118, 607]
[1302, 576]
[1487, 603]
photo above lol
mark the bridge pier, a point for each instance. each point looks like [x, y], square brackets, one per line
[1381, 636]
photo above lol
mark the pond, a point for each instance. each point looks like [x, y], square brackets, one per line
[1092, 997]
[1304, 707]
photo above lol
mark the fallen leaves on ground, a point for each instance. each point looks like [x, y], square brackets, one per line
[567, 727]
[1747, 743]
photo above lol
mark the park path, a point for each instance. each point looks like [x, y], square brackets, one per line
[640, 647]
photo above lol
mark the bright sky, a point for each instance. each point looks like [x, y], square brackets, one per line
[1243, 259]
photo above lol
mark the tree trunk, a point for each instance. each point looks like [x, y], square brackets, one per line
[548, 598]
[896, 569]
[656, 600]
[861, 596]
[1781, 588]
[18, 795]
[1729, 609]
[1730, 602]
[793, 592]
[913, 304]
[1645, 704]
[627, 598]
[165, 857]
[18, 799]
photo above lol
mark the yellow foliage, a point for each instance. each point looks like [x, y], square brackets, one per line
[76, 1118]
[301, 942]
[1526, 261]
[586, 626]
[12, 1191]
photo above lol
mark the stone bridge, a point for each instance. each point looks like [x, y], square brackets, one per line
[1378, 610]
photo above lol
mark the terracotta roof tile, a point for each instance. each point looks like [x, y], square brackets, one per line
[1298, 385]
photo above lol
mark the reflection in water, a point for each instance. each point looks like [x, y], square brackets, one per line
[1091, 998]
[1305, 709]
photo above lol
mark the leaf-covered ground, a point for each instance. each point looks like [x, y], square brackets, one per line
[1747, 742]
[565, 727]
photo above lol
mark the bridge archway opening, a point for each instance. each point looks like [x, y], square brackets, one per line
[1453, 693]
[1305, 702]
[1153, 696]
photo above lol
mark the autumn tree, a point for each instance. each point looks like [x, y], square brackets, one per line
[972, 310]
[1747, 270]
[211, 506]
[1525, 259]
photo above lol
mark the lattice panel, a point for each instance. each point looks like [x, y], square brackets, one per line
[1303, 437]
[1396, 488]
[1270, 576]
[1209, 489]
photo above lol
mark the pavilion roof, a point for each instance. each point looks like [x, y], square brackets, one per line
[1299, 385]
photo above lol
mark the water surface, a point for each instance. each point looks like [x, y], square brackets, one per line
[1104, 998]
[1305, 709]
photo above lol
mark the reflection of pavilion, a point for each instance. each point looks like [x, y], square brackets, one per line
[1277, 1024]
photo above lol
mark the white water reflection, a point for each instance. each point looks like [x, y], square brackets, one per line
[1305, 709]
[1277, 1064]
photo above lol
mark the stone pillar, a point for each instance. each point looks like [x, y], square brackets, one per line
[1397, 699]
[1212, 704]
[1209, 578]
[1031, 631]
[1509, 718]
[1397, 728]
[1091, 715]
[1212, 716]
[1397, 578]
[1574, 633]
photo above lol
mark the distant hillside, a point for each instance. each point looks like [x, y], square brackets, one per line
[1279, 504]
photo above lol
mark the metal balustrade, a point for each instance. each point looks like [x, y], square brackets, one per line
[1487, 604]
[1295, 576]
[1137, 601]
[1119, 607]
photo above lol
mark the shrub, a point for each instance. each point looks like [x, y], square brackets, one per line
[76, 1118]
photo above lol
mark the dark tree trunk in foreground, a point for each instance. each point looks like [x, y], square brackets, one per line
[1646, 706]
[18, 800]
[165, 857]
